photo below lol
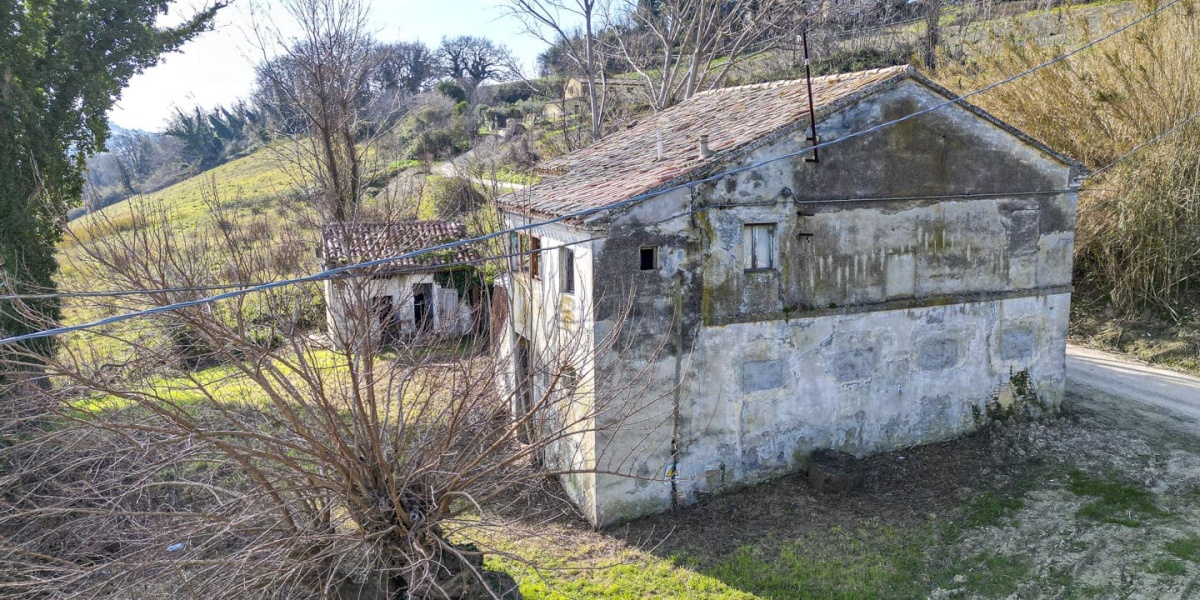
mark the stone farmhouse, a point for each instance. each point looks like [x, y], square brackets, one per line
[575, 98]
[891, 290]
[405, 298]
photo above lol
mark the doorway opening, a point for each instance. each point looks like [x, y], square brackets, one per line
[423, 307]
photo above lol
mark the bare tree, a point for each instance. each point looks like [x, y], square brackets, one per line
[933, 32]
[471, 60]
[406, 66]
[571, 25]
[320, 78]
[133, 151]
[681, 47]
[228, 450]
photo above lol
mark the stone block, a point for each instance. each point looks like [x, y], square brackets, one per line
[901, 276]
[938, 355]
[1016, 344]
[853, 365]
[762, 375]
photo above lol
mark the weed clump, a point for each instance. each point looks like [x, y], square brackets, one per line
[991, 508]
[1115, 501]
[1187, 548]
[1168, 566]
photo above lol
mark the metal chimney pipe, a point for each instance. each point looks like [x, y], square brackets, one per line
[705, 152]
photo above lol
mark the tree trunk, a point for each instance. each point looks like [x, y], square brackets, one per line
[590, 62]
[933, 32]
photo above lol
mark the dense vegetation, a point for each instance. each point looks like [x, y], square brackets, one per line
[1137, 245]
[62, 64]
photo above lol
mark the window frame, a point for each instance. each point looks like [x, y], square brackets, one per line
[567, 270]
[525, 254]
[750, 243]
[535, 257]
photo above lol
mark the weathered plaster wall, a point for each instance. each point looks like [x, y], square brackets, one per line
[918, 269]
[560, 329]
[343, 298]
[861, 382]
[941, 206]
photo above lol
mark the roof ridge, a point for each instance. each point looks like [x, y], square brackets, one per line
[395, 222]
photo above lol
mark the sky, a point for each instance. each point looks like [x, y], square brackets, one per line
[217, 67]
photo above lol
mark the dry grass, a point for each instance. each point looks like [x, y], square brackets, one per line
[1137, 244]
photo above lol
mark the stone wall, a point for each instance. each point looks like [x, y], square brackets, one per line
[922, 272]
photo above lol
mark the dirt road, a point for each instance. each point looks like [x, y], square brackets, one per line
[1164, 397]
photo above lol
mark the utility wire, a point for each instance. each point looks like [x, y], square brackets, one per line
[122, 293]
[1153, 140]
[580, 214]
[734, 171]
[486, 258]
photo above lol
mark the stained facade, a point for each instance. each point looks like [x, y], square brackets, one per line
[401, 299]
[908, 284]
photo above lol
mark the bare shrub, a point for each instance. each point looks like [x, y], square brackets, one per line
[291, 468]
[452, 197]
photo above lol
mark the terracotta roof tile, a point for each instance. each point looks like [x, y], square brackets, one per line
[626, 163]
[344, 243]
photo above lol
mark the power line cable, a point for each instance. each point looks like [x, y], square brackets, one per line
[1129, 25]
[1153, 140]
[580, 214]
[122, 293]
[503, 256]
[506, 255]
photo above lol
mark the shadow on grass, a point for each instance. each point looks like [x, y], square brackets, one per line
[894, 538]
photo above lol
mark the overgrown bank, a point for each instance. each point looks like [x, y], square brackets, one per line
[1127, 109]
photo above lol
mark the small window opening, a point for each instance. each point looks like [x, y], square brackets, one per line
[649, 258]
[759, 246]
[515, 245]
[568, 271]
[570, 381]
[535, 256]
[526, 250]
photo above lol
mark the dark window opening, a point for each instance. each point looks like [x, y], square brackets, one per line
[649, 258]
[570, 382]
[423, 307]
[535, 255]
[384, 308]
[568, 271]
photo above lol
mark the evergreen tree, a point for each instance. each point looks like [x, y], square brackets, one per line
[63, 64]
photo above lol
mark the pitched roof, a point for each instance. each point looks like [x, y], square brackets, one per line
[627, 164]
[343, 243]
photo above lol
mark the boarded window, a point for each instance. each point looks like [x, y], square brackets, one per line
[568, 270]
[649, 258]
[758, 241]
